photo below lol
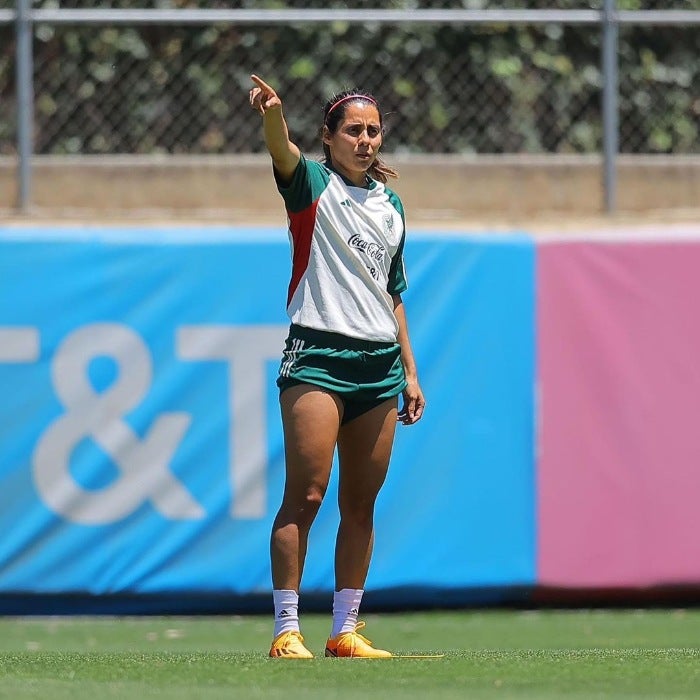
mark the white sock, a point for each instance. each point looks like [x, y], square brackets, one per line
[286, 611]
[346, 607]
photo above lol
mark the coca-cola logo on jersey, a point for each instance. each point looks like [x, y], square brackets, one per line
[375, 251]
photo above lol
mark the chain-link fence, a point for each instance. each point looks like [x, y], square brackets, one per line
[444, 87]
[8, 110]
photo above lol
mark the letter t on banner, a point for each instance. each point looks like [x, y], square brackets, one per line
[245, 349]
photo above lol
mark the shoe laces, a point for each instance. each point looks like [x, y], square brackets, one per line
[358, 626]
[292, 635]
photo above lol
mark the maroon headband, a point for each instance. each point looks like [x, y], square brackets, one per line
[350, 97]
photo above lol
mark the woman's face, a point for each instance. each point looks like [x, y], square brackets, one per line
[355, 144]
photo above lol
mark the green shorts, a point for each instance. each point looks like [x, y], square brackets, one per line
[363, 373]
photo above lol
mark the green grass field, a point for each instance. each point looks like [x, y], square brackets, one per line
[632, 654]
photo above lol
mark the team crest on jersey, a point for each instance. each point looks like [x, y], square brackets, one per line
[388, 224]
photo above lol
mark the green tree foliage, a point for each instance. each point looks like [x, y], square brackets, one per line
[444, 88]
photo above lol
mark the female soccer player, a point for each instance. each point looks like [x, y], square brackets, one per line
[347, 357]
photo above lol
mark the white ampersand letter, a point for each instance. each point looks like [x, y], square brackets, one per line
[142, 462]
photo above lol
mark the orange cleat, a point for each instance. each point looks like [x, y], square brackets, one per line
[352, 645]
[289, 645]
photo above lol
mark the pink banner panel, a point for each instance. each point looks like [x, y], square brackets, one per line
[619, 430]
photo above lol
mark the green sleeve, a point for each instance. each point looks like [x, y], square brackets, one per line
[308, 182]
[397, 273]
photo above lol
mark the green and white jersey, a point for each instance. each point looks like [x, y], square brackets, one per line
[347, 253]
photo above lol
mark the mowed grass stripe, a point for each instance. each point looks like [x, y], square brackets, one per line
[412, 632]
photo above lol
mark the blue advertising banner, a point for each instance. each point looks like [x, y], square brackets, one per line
[141, 442]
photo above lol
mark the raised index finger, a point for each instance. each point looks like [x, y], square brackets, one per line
[261, 83]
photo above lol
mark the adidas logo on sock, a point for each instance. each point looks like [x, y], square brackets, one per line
[354, 611]
[284, 613]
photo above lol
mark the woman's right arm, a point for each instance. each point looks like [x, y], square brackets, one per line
[285, 154]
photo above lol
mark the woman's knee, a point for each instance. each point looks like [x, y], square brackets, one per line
[303, 506]
[358, 512]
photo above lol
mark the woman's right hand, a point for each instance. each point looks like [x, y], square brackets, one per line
[262, 96]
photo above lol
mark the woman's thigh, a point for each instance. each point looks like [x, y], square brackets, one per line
[311, 418]
[364, 450]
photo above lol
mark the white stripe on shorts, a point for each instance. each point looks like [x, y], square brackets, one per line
[291, 357]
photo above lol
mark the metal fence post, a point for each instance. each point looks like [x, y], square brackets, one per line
[25, 103]
[610, 104]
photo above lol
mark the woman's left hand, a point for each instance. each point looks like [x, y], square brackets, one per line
[413, 404]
